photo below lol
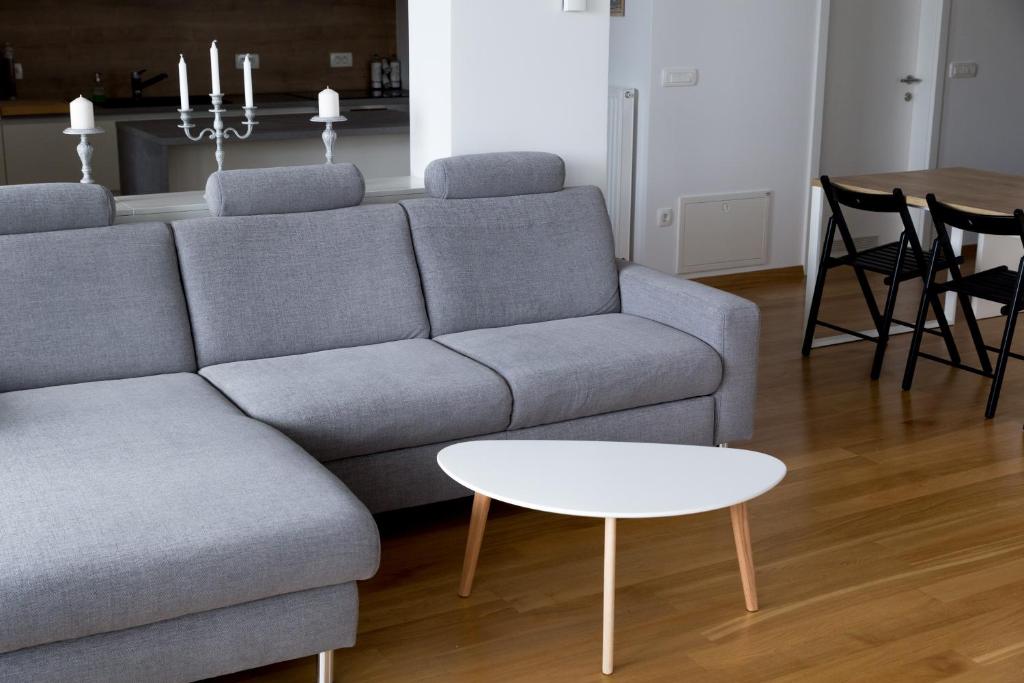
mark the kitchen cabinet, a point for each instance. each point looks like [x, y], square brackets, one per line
[35, 150]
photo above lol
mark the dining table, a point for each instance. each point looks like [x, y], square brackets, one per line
[970, 189]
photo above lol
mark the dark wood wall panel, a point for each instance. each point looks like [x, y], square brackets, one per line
[61, 44]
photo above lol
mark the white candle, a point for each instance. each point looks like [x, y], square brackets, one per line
[215, 69]
[328, 101]
[247, 77]
[183, 82]
[81, 114]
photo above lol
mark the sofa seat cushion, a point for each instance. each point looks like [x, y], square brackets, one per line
[566, 369]
[127, 502]
[366, 399]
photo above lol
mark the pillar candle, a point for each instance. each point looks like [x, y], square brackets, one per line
[214, 69]
[81, 114]
[247, 77]
[183, 82]
[328, 101]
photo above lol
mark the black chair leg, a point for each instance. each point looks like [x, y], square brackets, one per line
[819, 286]
[947, 333]
[1004, 354]
[887, 312]
[972, 325]
[922, 316]
[869, 297]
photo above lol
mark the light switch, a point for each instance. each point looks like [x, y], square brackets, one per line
[678, 77]
[963, 69]
[665, 218]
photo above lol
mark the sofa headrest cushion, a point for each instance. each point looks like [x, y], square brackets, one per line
[501, 174]
[288, 189]
[54, 206]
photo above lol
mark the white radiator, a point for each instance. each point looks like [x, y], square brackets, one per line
[621, 159]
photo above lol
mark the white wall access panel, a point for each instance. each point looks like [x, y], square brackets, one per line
[723, 231]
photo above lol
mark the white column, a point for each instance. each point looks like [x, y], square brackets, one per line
[493, 75]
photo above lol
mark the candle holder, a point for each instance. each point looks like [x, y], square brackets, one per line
[218, 133]
[329, 136]
[85, 150]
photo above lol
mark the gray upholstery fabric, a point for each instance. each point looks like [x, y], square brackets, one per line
[265, 286]
[197, 646]
[291, 189]
[500, 174]
[410, 476]
[131, 501]
[54, 206]
[347, 402]
[564, 369]
[513, 260]
[729, 324]
[91, 304]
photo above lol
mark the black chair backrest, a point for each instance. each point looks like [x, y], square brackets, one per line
[865, 201]
[946, 215]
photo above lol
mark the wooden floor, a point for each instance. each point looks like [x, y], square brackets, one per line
[892, 551]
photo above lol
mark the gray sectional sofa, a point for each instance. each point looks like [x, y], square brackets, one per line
[175, 401]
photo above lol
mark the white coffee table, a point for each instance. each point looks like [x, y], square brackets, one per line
[613, 481]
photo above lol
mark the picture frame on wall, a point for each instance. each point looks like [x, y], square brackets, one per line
[618, 8]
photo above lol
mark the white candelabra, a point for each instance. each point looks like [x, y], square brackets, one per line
[218, 133]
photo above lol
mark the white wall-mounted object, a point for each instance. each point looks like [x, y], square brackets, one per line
[678, 77]
[621, 160]
[341, 60]
[963, 69]
[720, 231]
[665, 217]
[574, 5]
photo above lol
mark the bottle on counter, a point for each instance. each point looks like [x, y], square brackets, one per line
[99, 93]
[8, 85]
[396, 73]
[376, 75]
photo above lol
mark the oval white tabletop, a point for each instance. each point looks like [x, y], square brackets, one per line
[611, 479]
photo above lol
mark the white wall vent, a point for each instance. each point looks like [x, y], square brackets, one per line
[720, 231]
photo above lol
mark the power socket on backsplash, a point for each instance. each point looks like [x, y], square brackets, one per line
[254, 59]
[19, 73]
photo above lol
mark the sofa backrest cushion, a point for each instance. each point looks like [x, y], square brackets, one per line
[510, 260]
[497, 174]
[266, 286]
[289, 189]
[54, 206]
[91, 304]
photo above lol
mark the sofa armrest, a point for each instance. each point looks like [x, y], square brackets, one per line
[727, 323]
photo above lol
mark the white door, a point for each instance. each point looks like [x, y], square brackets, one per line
[876, 115]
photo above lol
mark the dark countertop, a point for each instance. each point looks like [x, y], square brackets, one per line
[279, 127]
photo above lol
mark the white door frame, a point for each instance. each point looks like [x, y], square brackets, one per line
[924, 145]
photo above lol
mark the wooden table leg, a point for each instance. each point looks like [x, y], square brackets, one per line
[741, 533]
[608, 647]
[481, 504]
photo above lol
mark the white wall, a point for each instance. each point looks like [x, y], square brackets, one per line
[982, 117]
[745, 126]
[520, 75]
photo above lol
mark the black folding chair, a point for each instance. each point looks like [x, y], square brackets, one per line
[1001, 285]
[898, 261]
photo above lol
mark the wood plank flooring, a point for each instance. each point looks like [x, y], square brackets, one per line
[892, 551]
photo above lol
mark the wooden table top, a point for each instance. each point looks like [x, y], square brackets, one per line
[970, 189]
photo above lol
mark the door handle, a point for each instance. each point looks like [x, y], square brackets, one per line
[910, 79]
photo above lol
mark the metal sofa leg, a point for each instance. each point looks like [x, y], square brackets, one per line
[723, 445]
[325, 667]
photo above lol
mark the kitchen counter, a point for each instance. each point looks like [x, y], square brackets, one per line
[144, 146]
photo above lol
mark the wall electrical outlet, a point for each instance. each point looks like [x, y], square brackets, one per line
[963, 69]
[665, 217]
[19, 73]
[254, 59]
[341, 60]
